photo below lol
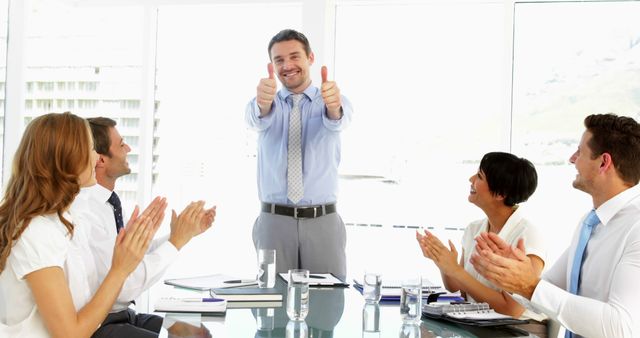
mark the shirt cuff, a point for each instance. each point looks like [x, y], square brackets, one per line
[166, 250]
[549, 298]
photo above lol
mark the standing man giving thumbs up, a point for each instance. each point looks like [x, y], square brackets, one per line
[298, 156]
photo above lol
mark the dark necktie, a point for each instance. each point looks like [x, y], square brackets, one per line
[117, 210]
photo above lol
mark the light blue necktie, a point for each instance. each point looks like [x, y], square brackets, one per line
[588, 225]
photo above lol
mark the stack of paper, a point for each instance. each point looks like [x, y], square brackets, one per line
[248, 294]
[210, 306]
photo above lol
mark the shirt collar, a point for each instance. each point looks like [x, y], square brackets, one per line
[611, 207]
[512, 221]
[98, 192]
[311, 92]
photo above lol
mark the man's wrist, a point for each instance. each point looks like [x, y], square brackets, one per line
[530, 289]
[177, 242]
[336, 115]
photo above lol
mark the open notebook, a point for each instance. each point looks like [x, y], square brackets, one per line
[477, 314]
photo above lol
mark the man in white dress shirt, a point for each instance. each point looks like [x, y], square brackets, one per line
[595, 295]
[102, 218]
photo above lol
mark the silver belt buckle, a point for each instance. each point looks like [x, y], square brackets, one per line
[295, 212]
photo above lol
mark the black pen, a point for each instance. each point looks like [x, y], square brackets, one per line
[237, 281]
[317, 276]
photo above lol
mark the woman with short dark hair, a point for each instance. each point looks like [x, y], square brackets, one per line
[501, 183]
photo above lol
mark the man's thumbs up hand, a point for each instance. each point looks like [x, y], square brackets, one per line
[266, 91]
[331, 96]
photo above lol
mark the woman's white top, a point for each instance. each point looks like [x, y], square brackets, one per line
[45, 243]
[515, 228]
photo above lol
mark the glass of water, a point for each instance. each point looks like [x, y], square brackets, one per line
[411, 299]
[266, 268]
[298, 294]
[371, 287]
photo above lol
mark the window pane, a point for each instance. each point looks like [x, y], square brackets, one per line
[4, 10]
[562, 73]
[210, 59]
[87, 60]
[427, 85]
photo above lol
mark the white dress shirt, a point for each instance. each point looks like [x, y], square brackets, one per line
[608, 300]
[44, 243]
[100, 221]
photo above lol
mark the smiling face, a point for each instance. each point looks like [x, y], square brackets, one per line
[479, 193]
[587, 167]
[292, 65]
[116, 164]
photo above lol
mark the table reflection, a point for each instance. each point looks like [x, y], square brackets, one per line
[326, 306]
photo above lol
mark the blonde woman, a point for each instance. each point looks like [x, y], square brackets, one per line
[44, 289]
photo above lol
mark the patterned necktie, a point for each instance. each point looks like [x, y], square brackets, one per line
[117, 210]
[586, 230]
[295, 188]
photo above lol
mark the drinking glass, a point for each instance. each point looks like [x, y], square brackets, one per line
[411, 299]
[298, 294]
[266, 268]
[371, 287]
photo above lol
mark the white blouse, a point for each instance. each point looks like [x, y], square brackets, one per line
[515, 228]
[44, 243]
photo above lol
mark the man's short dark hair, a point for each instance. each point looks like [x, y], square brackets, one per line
[619, 136]
[100, 131]
[288, 35]
[509, 176]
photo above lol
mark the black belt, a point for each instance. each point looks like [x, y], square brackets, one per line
[299, 212]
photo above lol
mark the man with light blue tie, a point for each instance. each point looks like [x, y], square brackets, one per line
[592, 289]
[298, 156]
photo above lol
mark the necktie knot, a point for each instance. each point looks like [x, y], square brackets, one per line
[114, 200]
[295, 98]
[592, 219]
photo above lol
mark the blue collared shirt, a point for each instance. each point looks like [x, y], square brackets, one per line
[320, 147]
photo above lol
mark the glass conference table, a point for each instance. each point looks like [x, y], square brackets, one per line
[333, 312]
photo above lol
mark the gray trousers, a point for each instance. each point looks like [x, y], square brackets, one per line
[316, 244]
